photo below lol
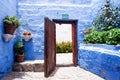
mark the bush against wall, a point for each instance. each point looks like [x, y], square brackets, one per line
[108, 37]
[105, 28]
[64, 47]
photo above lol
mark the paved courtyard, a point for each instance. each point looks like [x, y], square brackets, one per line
[60, 73]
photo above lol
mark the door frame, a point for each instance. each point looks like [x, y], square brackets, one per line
[73, 22]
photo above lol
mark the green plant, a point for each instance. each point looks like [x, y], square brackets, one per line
[18, 44]
[113, 36]
[94, 37]
[12, 21]
[64, 47]
[107, 37]
[108, 18]
[18, 48]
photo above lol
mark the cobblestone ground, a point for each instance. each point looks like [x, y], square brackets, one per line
[60, 73]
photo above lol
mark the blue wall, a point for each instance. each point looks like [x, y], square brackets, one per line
[7, 7]
[32, 12]
[101, 59]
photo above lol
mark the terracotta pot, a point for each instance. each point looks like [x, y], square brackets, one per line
[86, 32]
[9, 29]
[20, 58]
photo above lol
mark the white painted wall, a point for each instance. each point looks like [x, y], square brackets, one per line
[63, 32]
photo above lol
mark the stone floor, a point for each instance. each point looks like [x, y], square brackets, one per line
[64, 59]
[29, 66]
[60, 73]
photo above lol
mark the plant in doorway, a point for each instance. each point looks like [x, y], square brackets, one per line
[10, 24]
[19, 51]
[64, 47]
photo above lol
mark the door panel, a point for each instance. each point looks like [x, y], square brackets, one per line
[49, 47]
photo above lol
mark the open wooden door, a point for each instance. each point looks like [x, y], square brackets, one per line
[49, 47]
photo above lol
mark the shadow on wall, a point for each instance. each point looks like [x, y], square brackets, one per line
[6, 48]
[29, 51]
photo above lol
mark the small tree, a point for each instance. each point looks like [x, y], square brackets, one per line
[109, 18]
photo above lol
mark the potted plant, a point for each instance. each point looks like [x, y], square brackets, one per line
[10, 24]
[19, 51]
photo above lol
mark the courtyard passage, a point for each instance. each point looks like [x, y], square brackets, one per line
[64, 72]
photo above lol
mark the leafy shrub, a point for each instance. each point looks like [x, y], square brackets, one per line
[113, 36]
[64, 47]
[108, 37]
[105, 26]
[94, 37]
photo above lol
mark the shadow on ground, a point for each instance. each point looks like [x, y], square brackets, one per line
[14, 75]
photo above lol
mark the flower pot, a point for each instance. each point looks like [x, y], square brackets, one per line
[19, 58]
[26, 37]
[9, 29]
[86, 32]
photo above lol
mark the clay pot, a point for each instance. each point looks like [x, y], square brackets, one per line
[25, 33]
[9, 29]
[20, 58]
[29, 33]
[86, 32]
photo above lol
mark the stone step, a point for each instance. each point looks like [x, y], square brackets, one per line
[29, 66]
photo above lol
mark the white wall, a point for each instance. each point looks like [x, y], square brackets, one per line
[63, 32]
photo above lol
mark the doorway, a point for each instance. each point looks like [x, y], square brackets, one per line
[73, 24]
[50, 43]
[64, 45]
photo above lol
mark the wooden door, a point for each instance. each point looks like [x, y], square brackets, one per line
[49, 47]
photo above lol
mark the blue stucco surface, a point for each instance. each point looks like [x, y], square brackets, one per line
[101, 59]
[8, 7]
[32, 12]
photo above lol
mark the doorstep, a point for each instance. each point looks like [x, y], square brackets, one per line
[29, 66]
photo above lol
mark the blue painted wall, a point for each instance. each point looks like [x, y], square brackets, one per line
[101, 59]
[32, 12]
[7, 7]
